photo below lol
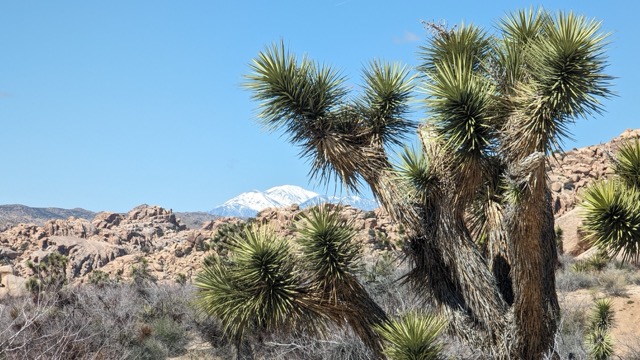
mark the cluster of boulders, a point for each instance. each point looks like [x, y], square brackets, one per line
[570, 172]
[116, 243]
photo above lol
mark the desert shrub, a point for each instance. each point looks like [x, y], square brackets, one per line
[181, 278]
[49, 274]
[613, 282]
[339, 344]
[113, 321]
[597, 262]
[99, 278]
[150, 349]
[569, 339]
[633, 277]
[169, 332]
[631, 349]
[570, 280]
[370, 214]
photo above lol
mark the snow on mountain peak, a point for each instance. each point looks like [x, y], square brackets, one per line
[248, 204]
[254, 200]
[290, 194]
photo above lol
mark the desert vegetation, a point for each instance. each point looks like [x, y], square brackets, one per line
[474, 197]
[473, 271]
[141, 318]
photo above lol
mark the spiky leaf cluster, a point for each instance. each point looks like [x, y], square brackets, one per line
[309, 102]
[414, 336]
[260, 287]
[414, 171]
[611, 208]
[265, 285]
[326, 240]
[626, 163]
[598, 337]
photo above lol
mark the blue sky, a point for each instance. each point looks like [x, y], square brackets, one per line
[106, 105]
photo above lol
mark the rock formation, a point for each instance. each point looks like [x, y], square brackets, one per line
[115, 243]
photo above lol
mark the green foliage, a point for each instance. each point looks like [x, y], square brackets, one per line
[387, 88]
[611, 208]
[265, 286]
[382, 267]
[460, 99]
[597, 262]
[181, 278]
[326, 241]
[626, 164]
[224, 236]
[598, 338]
[141, 274]
[414, 171]
[99, 278]
[49, 274]
[308, 100]
[259, 287]
[413, 337]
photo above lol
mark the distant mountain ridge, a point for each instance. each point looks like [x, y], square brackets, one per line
[249, 204]
[21, 214]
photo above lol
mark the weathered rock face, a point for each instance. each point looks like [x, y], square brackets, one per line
[90, 245]
[571, 172]
[71, 227]
[115, 243]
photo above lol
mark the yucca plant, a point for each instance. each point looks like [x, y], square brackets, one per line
[414, 336]
[598, 337]
[474, 200]
[50, 274]
[626, 164]
[611, 208]
[258, 289]
[331, 257]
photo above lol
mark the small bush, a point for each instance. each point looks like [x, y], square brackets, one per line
[613, 282]
[569, 340]
[99, 278]
[570, 280]
[171, 334]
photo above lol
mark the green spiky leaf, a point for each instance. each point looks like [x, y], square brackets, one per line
[259, 287]
[626, 164]
[327, 242]
[611, 218]
[413, 337]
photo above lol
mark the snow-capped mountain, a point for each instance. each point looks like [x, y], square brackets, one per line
[247, 204]
[289, 194]
[250, 203]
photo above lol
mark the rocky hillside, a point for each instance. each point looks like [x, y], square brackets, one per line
[148, 236]
[11, 215]
[155, 237]
[570, 173]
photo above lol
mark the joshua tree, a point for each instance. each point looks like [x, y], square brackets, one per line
[611, 208]
[473, 199]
